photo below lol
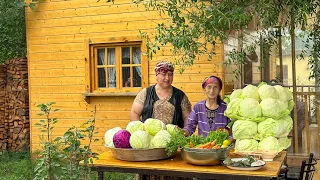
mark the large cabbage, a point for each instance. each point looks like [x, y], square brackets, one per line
[250, 108]
[270, 108]
[268, 91]
[161, 139]
[243, 129]
[285, 142]
[140, 140]
[236, 94]
[134, 126]
[246, 145]
[282, 93]
[152, 126]
[283, 105]
[267, 128]
[121, 139]
[284, 126]
[108, 136]
[270, 144]
[251, 91]
[274, 108]
[232, 111]
[172, 129]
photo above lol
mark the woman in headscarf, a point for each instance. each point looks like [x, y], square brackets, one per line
[162, 101]
[208, 114]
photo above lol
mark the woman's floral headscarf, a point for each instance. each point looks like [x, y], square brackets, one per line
[163, 67]
[212, 79]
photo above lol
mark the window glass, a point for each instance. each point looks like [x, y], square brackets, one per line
[101, 77]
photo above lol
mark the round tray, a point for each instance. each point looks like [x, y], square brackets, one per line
[139, 154]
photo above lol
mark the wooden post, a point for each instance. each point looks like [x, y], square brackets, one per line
[294, 88]
[280, 54]
[306, 118]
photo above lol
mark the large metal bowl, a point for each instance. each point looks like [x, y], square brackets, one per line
[139, 154]
[204, 156]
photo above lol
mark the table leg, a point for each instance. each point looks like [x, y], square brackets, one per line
[100, 175]
[142, 177]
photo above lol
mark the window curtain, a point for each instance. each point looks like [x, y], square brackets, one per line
[101, 71]
[111, 71]
[137, 60]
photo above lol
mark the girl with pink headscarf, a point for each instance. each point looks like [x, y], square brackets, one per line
[208, 114]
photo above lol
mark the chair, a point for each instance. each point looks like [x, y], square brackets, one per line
[307, 169]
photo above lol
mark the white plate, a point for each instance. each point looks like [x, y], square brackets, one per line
[245, 168]
[252, 168]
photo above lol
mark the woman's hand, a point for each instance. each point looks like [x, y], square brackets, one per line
[185, 132]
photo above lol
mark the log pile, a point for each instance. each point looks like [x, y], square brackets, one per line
[3, 130]
[16, 104]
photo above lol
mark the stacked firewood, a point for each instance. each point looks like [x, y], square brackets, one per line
[3, 130]
[16, 104]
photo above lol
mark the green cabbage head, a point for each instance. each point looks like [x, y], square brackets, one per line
[152, 126]
[161, 139]
[172, 129]
[236, 94]
[284, 126]
[268, 91]
[285, 142]
[140, 140]
[246, 145]
[108, 136]
[232, 111]
[251, 91]
[270, 144]
[282, 92]
[243, 129]
[250, 108]
[270, 108]
[134, 126]
[268, 128]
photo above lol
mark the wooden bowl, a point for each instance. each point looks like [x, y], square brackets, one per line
[139, 154]
[268, 156]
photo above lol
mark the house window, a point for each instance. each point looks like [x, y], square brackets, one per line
[117, 67]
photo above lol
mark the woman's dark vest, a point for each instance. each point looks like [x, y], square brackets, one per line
[175, 100]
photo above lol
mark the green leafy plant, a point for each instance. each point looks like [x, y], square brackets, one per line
[48, 164]
[60, 158]
[76, 153]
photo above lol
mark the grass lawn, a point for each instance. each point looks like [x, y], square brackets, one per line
[18, 166]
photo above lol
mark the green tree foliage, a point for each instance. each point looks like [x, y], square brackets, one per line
[194, 26]
[12, 29]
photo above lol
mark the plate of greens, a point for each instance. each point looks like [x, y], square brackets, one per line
[249, 163]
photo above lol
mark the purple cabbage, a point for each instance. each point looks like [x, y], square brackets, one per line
[122, 139]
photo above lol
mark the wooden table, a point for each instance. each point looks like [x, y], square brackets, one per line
[177, 167]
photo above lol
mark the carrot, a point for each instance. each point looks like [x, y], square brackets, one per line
[213, 143]
[204, 145]
[191, 144]
[216, 146]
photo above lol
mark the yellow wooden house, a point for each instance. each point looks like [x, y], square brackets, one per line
[86, 53]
